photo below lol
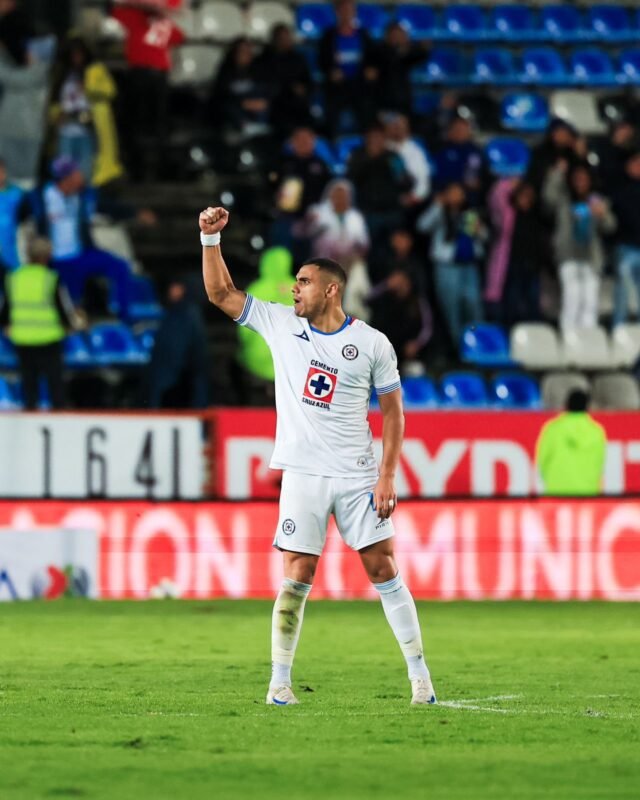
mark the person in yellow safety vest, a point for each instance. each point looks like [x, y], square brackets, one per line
[571, 450]
[37, 309]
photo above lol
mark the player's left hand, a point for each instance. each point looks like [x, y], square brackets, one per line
[385, 498]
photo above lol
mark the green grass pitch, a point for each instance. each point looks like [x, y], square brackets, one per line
[166, 700]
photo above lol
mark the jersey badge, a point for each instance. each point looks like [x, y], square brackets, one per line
[350, 352]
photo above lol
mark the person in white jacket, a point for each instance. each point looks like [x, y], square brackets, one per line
[338, 230]
[399, 140]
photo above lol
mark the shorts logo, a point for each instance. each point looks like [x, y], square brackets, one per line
[350, 352]
[320, 385]
[288, 527]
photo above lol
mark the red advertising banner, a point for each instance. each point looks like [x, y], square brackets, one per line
[545, 549]
[479, 454]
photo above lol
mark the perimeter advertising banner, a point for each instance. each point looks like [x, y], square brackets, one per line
[558, 550]
[458, 453]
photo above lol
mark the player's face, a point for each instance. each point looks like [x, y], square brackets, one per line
[310, 292]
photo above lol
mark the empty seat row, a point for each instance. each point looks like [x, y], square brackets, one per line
[109, 344]
[516, 391]
[511, 22]
[544, 66]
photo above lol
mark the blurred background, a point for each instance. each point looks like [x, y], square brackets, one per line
[474, 166]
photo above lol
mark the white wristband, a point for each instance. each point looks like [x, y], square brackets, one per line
[209, 239]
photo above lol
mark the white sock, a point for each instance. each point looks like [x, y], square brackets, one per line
[285, 629]
[401, 614]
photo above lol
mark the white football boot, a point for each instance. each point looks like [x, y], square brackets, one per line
[422, 693]
[281, 696]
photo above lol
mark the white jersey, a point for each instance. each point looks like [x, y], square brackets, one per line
[323, 384]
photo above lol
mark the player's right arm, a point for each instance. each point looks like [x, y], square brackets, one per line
[217, 280]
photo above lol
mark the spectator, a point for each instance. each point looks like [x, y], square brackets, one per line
[461, 160]
[82, 94]
[13, 206]
[64, 208]
[15, 32]
[23, 97]
[626, 206]
[502, 215]
[338, 231]
[413, 155]
[571, 451]
[240, 102]
[399, 305]
[622, 142]
[383, 186]
[561, 144]
[393, 59]
[151, 35]
[178, 370]
[343, 57]
[273, 285]
[300, 180]
[529, 254]
[37, 310]
[288, 74]
[457, 246]
[581, 219]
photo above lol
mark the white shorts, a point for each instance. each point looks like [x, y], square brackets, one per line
[306, 502]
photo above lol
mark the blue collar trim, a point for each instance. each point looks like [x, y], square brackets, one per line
[332, 333]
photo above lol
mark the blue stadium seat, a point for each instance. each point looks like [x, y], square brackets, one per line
[8, 357]
[485, 345]
[507, 157]
[609, 23]
[143, 305]
[562, 24]
[7, 397]
[592, 67]
[76, 351]
[494, 65]
[514, 390]
[344, 146]
[373, 18]
[463, 390]
[543, 65]
[511, 23]
[445, 65]
[419, 21]
[312, 19]
[419, 392]
[146, 340]
[629, 71]
[524, 111]
[464, 23]
[113, 344]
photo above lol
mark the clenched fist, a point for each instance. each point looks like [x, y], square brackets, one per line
[213, 220]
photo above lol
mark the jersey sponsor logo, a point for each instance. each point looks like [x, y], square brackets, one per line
[350, 352]
[319, 388]
[288, 527]
[302, 335]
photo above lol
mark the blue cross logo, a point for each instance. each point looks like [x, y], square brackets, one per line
[320, 385]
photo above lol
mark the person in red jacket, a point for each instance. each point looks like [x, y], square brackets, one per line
[151, 35]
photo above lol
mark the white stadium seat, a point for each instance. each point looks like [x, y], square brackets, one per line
[535, 345]
[587, 348]
[625, 344]
[195, 64]
[221, 20]
[557, 386]
[263, 16]
[617, 390]
[579, 108]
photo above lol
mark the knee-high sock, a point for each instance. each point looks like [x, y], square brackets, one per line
[285, 629]
[401, 614]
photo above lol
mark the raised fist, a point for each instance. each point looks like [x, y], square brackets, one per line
[213, 220]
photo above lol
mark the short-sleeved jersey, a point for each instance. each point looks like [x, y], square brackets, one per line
[323, 384]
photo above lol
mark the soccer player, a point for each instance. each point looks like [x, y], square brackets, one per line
[325, 365]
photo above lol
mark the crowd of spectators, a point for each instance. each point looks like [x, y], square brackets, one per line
[431, 240]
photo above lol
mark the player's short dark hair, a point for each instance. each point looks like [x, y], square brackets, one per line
[329, 266]
[578, 400]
